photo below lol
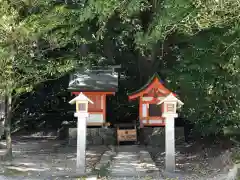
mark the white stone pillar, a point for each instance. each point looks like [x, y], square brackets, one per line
[170, 142]
[170, 105]
[81, 142]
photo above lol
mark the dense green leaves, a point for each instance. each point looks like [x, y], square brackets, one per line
[193, 44]
[24, 60]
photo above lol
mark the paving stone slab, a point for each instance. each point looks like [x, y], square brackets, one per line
[130, 163]
[105, 159]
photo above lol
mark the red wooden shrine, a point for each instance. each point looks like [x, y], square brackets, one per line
[96, 83]
[98, 108]
[150, 113]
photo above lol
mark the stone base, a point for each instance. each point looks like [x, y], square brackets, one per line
[63, 133]
[155, 136]
[3, 145]
[107, 136]
[95, 136]
[3, 154]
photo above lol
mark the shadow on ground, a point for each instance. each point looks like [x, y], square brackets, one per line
[36, 157]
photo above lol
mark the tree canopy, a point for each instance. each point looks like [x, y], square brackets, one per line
[192, 44]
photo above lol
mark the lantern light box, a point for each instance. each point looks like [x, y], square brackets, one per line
[81, 102]
[170, 104]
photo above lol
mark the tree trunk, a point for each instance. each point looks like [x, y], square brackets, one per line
[8, 125]
[2, 115]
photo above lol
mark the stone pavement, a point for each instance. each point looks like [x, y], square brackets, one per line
[131, 162]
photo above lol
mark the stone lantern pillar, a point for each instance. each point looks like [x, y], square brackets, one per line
[170, 105]
[81, 113]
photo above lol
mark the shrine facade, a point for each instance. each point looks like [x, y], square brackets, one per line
[149, 97]
[96, 84]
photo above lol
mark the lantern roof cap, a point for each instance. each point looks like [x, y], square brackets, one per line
[80, 97]
[171, 98]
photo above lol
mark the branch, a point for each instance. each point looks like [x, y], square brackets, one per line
[234, 42]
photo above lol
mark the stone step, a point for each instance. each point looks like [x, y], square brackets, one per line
[131, 161]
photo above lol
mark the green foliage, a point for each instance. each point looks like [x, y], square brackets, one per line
[24, 58]
[208, 79]
[193, 44]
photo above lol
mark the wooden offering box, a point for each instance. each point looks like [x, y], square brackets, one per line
[126, 132]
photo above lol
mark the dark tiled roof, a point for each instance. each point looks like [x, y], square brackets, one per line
[105, 80]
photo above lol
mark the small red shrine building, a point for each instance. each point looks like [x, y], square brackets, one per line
[150, 113]
[96, 84]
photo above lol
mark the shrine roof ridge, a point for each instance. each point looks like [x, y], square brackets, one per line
[154, 76]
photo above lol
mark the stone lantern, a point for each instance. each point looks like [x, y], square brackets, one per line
[170, 105]
[81, 113]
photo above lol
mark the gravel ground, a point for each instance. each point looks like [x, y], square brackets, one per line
[197, 161]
